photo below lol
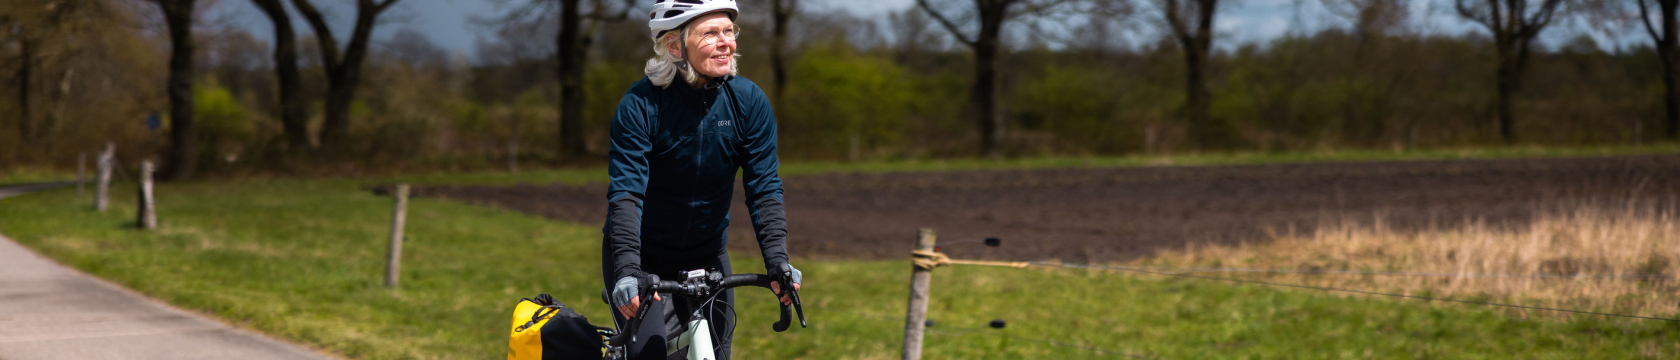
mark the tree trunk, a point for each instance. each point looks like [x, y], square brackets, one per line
[183, 134]
[1513, 55]
[343, 73]
[335, 122]
[293, 119]
[1196, 97]
[1204, 131]
[572, 56]
[26, 129]
[1514, 28]
[1506, 84]
[983, 96]
[780, 12]
[1669, 48]
[346, 76]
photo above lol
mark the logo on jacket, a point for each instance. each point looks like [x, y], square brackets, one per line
[723, 122]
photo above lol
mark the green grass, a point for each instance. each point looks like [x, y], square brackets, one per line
[24, 175]
[303, 260]
[794, 168]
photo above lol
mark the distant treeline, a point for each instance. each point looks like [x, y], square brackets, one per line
[854, 89]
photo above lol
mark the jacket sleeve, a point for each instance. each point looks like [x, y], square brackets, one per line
[627, 168]
[758, 174]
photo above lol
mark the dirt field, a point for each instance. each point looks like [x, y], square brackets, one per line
[1095, 215]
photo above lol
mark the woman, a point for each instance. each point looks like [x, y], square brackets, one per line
[678, 138]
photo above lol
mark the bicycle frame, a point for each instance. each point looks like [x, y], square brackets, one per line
[697, 338]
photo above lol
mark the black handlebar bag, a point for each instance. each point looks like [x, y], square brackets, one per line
[544, 329]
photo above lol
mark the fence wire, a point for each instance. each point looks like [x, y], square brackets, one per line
[970, 330]
[1399, 273]
[1323, 288]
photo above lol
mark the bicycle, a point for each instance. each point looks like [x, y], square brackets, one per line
[703, 285]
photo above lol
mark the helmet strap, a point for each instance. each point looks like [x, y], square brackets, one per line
[682, 40]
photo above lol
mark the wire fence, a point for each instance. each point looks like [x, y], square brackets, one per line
[1401, 273]
[1324, 288]
[961, 331]
[1190, 273]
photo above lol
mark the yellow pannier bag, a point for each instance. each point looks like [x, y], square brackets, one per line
[544, 329]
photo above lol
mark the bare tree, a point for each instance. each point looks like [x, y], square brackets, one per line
[991, 15]
[343, 72]
[183, 135]
[910, 32]
[414, 50]
[39, 30]
[1191, 22]
[293, 117]
[1514, 24]
[577, 31]
[1371, 18]
[1667, 37]
[1368, 108]
[781, 13]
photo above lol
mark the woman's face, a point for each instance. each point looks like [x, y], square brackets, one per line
[711, 44]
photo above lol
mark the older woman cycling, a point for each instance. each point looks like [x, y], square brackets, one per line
[676, 147]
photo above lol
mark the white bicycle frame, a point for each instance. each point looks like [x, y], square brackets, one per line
[698, 339]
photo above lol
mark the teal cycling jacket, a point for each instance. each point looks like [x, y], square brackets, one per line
[675, 152]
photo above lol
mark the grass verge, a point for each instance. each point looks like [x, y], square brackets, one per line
[303, 260]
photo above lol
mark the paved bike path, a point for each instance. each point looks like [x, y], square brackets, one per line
[49, 311]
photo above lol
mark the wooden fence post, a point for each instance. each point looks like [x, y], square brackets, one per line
[107, 158]
[393, 262]
[148, 210]
[915, 318]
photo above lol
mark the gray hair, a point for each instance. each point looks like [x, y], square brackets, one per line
[664, 66]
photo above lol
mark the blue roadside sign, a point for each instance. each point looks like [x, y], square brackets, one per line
[153, 121]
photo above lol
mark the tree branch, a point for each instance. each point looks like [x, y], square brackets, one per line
[599, 13]
[1645, 18]
[1175, 21]
[1532, 25]
[949, 26]
[1465, 11]
[323, 34]
[1039, 7]
[381, 7]
[1550, 9]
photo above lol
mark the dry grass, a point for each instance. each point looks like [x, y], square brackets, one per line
[1623, 259]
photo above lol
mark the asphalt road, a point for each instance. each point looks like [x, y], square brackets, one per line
[49, 311]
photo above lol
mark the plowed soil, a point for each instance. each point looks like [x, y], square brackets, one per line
[1108, 214]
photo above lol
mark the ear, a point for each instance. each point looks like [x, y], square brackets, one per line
[675, 47]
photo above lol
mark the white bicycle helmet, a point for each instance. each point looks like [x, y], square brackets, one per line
[671, 14]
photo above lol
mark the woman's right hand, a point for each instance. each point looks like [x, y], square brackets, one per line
[625, 299]
[629, 310]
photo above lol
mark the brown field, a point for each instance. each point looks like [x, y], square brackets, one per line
[1586, 256]
[1121, 214]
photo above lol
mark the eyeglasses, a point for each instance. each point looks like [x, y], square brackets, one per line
[715, 36]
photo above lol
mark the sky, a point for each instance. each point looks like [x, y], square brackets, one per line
[449, 23]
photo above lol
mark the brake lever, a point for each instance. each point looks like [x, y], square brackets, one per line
[785, 282]
[787, 316]
[797, 307]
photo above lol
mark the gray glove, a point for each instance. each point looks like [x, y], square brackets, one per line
[795, 273]
[625, 290]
